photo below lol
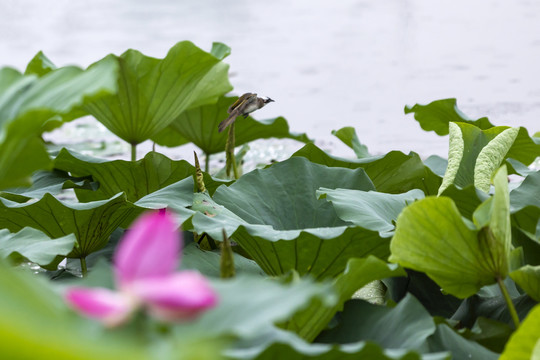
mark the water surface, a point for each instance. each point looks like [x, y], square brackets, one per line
[327, 64]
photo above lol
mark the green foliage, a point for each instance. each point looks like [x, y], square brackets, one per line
[33, 245]
[392, 173]
[136, 179]
[199, 126]
[152, 92]
[524, 343]
[437, 115]
[306, 233]
[475, 154]
[34, 320]
[432, 237]
[92, 223]
[30, 105]
[349, 138]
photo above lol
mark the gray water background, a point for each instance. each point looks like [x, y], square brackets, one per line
[328, 64]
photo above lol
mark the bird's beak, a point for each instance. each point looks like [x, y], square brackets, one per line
[268, 100]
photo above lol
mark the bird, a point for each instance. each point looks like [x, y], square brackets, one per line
[245, 105]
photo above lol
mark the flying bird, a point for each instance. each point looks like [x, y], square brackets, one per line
[245, 105]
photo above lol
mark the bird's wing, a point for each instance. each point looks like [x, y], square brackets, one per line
[239, 102]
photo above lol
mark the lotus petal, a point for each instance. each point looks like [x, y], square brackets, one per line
[149, 249]
[177, 297]
[110, 307]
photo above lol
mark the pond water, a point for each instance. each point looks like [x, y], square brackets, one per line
[327, 64]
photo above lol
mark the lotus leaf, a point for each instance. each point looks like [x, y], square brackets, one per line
[393, 173]
[432, 237]
[475, 154]
[436, 116]
[33, 245]
[309, 322]
[349, 138]
[136, 179]
[369, 209]
[92, 223]
[525, 342]
[283, 344]
[275, 216]
[153, 92]
[52, 182]
[30, 105]
[411, 325]
[199, 126]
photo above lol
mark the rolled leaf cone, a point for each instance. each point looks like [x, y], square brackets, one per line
[227, 258]
[199, 175]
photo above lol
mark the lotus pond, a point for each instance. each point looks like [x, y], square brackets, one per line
[156, 258]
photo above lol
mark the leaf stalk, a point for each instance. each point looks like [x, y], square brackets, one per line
[509, 303]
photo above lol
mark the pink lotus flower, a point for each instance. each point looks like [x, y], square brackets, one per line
[144, 269]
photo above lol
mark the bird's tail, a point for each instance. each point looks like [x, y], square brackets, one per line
[228, 121]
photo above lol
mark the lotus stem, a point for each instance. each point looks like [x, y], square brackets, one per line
[235, 169]
[509, 303]
[84, 269]
[133, 152]
[229, 153]
[207, 163]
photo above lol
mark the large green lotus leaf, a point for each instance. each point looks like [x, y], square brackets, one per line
[284, 195]
[525, 342]
[492, 217]
[475, 154]
[39, 65]
[20, 155]
[274, 215]
[528, 278]
[135, 178]
[349, 138]
[92, 223]
[467, 199]
[429, 293]
[437, 164]
[489, 333]
[177, 196]
[153, 92]
[33, 245]
[309, 322]
[52, 182]
[436, 116]
[279, 344]
[525, 203]
[445, 339]
[208, 262]
[35, 323]
[247, 305]
[525, 148]
[30, 105]
[529, 243]
[431, 237]
[406, 326]
[490, 303]
[251, 304]
[393, 173]
[200, 126]
[370, 209]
